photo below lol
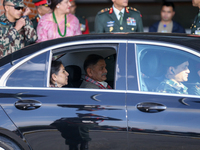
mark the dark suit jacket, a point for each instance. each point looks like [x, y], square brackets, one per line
[177, 28]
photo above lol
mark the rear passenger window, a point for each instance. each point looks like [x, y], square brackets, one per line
[30, 74]
[102, 71]
[168, 70]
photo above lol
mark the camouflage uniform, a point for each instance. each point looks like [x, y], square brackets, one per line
[11, 39]
[169, 86]
[195, 89]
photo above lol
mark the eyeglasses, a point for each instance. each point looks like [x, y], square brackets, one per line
[16, 7]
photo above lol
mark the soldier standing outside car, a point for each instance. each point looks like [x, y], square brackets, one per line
[42, 8]
[15, 29]
[119, 18]
[195, 28]
[82, 20]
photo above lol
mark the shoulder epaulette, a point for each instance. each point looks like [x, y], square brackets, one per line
[131, 8]
[104, 10]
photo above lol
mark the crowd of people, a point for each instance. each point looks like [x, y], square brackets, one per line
[57, 18]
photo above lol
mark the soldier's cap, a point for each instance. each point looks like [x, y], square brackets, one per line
[40, 2]
[173, 59]
[18, 3]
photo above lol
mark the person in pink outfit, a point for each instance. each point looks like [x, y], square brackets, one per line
[59, 23]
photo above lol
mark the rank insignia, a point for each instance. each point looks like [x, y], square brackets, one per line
[127, 9]
[131, 21]
[111, 11]
[111, 29]
[37, 19]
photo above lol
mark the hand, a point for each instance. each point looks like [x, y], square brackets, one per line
[20, 23]
[27, 11]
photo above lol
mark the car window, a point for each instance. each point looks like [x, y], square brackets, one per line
[168, 70]
[30, 74]
[73, 61]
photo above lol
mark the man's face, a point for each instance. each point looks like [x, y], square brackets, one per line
[42, 10]
[167, 13]
[181, 72]
[98, 72]
[11, 12]
[196, 3]
[73, 7]
[119, 4]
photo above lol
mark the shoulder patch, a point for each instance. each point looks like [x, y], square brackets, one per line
[104, 10]
[3, 23]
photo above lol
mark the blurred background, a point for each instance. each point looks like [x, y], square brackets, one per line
[150, 10]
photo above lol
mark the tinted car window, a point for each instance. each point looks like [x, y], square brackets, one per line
[168, 70]
[30, 74]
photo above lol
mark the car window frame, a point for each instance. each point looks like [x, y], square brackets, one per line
[166, 44]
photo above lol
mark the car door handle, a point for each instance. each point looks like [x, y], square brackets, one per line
[151, 107]
[27, 104]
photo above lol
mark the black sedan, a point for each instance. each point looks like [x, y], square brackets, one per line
[131, 115]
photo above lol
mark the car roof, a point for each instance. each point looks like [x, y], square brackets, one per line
[187, 40]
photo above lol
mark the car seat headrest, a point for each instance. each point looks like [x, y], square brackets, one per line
[74, 72]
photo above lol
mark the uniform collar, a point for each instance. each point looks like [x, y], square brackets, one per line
[117, 12]
[3, 18]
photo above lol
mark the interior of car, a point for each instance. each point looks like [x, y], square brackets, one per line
[73, 62]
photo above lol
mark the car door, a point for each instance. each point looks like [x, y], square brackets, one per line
[160, 120]
[65, 118]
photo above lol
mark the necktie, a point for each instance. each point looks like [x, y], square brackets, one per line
[121, 18]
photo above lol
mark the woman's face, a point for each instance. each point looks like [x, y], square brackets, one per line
[62, 77]
[64, 6]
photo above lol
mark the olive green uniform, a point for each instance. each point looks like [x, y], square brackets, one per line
[169, 86]
[106, 21]
[195, 28]
[195, 89]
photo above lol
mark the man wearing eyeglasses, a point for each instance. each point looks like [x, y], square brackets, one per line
[15, 27]
[42, 8]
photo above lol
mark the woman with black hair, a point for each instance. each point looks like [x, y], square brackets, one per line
[59, 23]
[58, 75]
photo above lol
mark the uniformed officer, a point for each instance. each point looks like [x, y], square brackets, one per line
[15, 29]
[177, 72]
[42, 9]
[82, 20]
[195, 28]
[118, 18]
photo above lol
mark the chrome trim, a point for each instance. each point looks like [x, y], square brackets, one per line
[126, 65]
[49, 69]
[167, 44]
[137, 71]
[162, 94]
[64, 89]
[8, 72]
